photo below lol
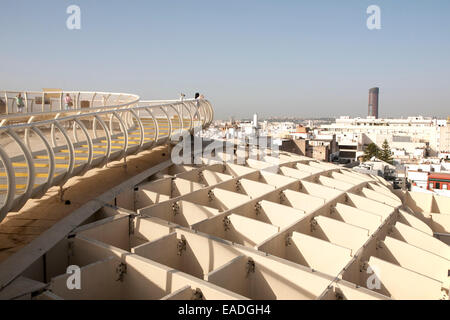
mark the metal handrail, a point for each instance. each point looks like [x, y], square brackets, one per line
[165, 121]
[128, 100]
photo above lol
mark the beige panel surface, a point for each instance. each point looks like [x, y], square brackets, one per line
[380, 197]
[334, 183]
[420, 239]
[441, 204]
[357, 217]
[302, 201]
[369, 205]
[317, 254]
[345, 178]
[230, 199]
[414, 222]
[294, 173]
[280, 215]
[213, 178]
[441, 222]
[350, 292]
[98, 282]
[184, 293]
[183, 186]
[414, 259]
[115, 232]
[309, 219]
[149, 229]
[248, 231]
[275, 180]
[340, 233]
[255, 189]
[400, 283]
[320, 191]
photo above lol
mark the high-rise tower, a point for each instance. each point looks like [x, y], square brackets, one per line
[373, 102]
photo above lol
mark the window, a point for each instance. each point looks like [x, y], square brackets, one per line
[430, 185]
[445, 187]
[438, 185]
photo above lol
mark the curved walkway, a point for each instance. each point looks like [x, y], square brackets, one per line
[64, 144]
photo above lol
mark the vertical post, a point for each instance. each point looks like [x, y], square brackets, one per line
[78, 100]
[405, 185]
[93, 99]
[43, 101]
[6, 103]
[182, 115]
[105, 100]
[26, 100]
[11, 184]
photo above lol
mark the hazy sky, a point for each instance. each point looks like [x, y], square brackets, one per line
[284, 58]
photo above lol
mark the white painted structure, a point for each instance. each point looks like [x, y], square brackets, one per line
[272, 228]
[70, 142]
[413, 134]
[417, 174]
[255, 121]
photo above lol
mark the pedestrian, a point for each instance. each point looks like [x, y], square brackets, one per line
[68, 101]
[182, 96]
[20, 104]
[197, 105]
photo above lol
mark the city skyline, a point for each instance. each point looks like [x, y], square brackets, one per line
[198, 150]
[303, 59]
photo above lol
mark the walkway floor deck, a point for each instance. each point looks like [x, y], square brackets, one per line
[38, 215]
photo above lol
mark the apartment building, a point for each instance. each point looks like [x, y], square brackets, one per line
[413, 137]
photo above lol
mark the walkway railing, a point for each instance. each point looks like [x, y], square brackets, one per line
[37, 155]
[44, 101]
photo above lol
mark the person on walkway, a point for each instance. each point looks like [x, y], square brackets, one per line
[182, 96]
[68, 102]
[20, 103]
[197, 105]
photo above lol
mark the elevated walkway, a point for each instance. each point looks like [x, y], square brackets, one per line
[40, 150]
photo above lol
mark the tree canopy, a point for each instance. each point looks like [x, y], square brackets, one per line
[371, 151]
[383, 154]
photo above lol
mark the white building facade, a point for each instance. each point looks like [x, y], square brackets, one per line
[410, 138]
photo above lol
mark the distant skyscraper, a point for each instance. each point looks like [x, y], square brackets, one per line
[373, 102]
[255, 121]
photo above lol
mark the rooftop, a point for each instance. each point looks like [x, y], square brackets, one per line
[298, 230]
